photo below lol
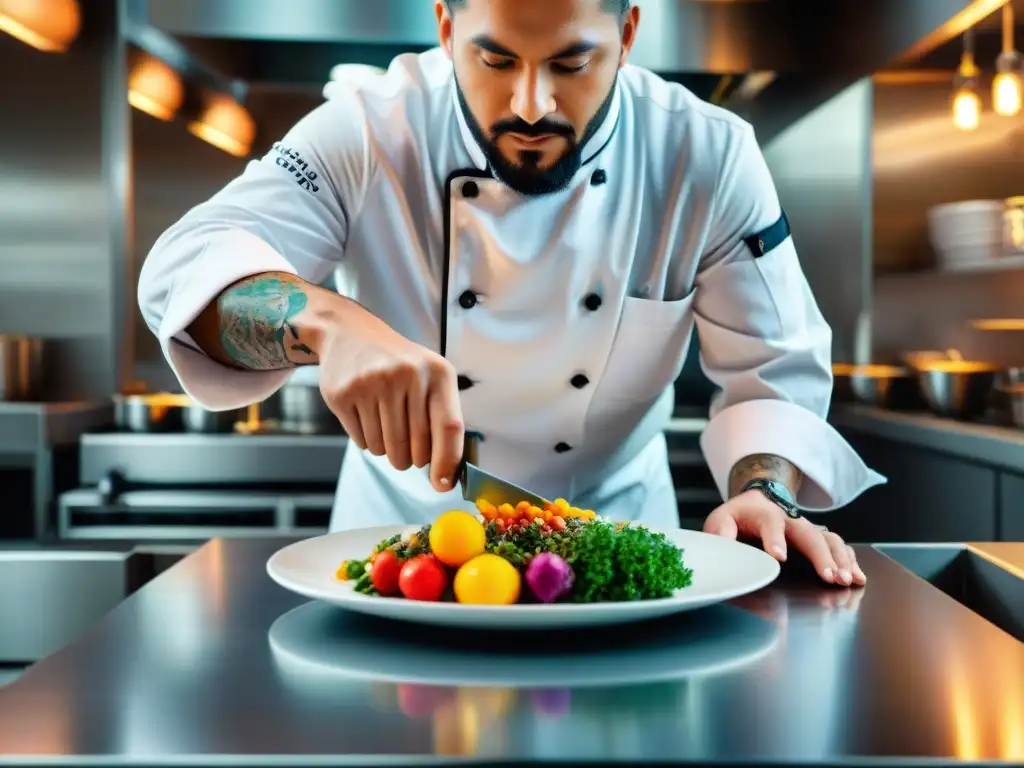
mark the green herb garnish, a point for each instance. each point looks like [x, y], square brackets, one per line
[614, 563]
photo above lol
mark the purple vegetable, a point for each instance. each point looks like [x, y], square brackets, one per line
[549, 577]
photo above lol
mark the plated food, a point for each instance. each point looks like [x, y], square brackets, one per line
[524, 554]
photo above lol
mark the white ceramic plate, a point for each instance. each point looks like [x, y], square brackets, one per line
[722, 570]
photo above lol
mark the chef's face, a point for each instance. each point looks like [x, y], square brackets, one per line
[535, 80]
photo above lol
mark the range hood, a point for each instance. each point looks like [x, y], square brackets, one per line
[799, 36]
[780, 58]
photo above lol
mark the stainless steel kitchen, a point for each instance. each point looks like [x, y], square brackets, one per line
[175, 585]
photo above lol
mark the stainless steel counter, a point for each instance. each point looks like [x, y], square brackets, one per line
[213, 664]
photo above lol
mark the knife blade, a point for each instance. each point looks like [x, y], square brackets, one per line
[479, 484]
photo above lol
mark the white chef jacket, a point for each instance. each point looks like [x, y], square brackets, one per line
[567, 316]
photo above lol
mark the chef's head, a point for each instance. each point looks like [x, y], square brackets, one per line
[536, 79]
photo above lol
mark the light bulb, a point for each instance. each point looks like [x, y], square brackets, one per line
[966, 110]
[1007, 86]
[1006, 94]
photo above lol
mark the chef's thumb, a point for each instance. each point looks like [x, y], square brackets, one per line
[721, 523]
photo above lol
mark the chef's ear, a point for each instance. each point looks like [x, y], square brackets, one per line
[444, 25]
[630, 23]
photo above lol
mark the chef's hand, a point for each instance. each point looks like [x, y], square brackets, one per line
[752, 514]
[393, 397]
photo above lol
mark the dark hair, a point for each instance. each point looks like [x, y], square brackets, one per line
[613, 6]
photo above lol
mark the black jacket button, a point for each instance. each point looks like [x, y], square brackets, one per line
[579, 381]
[470, 189]
[467, 300]
[599, 178]
[464, 382]
[563, 448]
[592, 302]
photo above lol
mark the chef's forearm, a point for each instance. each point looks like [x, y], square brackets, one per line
[768, 467]
[266, 322]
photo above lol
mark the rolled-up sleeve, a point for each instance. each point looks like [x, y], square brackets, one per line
[766, 345]
[289, 211]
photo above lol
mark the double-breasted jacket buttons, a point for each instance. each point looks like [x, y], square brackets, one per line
[470, 189]
[592, 302]
[468, 299]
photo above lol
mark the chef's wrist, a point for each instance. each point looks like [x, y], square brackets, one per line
[766, 467]
[332, 318]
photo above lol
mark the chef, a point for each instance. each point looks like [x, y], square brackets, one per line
[533, 228]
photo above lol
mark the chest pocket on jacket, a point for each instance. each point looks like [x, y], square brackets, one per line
[648, 352]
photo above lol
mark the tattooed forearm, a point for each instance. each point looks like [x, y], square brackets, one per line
[258, 322]
[767, 466]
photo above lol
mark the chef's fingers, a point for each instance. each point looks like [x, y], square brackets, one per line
[447, 429]
[721, 523]
[419, 422]
[772, 530]
[394, 425]
[808, 538]
[369, 419]
[349, 419]
[859, 577]
[841, 556]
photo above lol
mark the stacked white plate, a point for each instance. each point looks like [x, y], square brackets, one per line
[967, 234]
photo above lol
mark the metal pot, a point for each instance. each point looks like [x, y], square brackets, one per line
[21, 368]
[303, 410]
[1015, 400]
[958, 388]
[166, 412]
[885, 386]
[201, 421]
[841, 390]
[150, 413]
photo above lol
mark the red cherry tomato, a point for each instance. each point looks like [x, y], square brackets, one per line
[423, 578]
[384, 573]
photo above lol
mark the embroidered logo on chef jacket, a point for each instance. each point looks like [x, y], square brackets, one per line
[770, 238]
[291, 161]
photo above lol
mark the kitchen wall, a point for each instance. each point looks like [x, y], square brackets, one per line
[920, 160]
[175, 171]
[64, 173]
[821, 168]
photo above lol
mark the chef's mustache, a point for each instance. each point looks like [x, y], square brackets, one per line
[542, 127]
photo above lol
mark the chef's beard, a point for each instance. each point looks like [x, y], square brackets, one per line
[526, 177]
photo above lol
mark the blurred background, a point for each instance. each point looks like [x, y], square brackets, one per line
[892, 128]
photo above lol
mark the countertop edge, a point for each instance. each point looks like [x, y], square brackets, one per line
[998, 447]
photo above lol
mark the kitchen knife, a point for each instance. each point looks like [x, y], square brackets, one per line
[478, 484]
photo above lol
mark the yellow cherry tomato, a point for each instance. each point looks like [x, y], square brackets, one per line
[457, 537]
[487, 580]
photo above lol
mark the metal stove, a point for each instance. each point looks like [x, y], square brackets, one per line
[191, 487]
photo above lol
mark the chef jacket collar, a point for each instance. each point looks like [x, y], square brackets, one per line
[591, 149]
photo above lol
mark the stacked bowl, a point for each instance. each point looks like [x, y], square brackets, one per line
[968, 234]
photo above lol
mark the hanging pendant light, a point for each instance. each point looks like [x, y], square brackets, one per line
[48, 25]
[225, 124]
[966, 101]
[1007, 87]
[155, 88]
